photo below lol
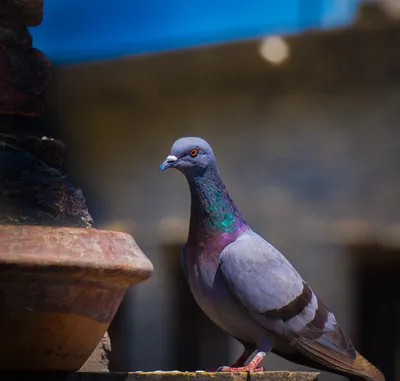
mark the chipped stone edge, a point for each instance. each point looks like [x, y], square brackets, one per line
[276, 375]
[159, 375]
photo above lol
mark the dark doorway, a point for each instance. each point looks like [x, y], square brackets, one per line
[377, 270]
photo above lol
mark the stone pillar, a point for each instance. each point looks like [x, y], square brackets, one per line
[34, 189]
[25, 73]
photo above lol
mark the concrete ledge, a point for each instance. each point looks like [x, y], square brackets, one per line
[159, 376]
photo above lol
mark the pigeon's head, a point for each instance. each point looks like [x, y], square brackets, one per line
[190, 156]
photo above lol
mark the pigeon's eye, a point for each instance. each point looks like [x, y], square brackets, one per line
[193, 152]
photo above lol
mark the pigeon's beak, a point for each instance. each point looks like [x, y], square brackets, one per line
[168, 162]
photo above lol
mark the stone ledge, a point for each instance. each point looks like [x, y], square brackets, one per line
[159, 376]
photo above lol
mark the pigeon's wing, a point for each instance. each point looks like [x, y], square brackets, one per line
[184, 263]
[269, 288]
[267, 285]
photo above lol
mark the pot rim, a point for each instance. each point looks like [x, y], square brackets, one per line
[85, 253]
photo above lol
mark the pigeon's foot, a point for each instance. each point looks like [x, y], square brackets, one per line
[251, 367]
[238, 363]
[240, 369]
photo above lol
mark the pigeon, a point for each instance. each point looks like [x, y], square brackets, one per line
[247, 287]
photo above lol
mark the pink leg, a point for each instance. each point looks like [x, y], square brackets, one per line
[251, 367]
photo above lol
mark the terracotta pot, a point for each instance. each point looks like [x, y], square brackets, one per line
[59, 291]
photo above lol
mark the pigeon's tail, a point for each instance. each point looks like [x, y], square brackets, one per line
[355, 368]
[365, 370]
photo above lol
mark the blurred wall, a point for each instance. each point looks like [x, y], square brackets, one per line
[309, 150]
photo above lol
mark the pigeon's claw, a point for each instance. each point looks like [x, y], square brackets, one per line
[238, 363]
[247, 368]
[251, 367]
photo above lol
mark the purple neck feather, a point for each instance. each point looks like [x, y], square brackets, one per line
[213, 213]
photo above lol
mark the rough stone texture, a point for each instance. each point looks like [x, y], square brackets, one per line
[203, 376]
[33, 187]
[162, 376]
[18, 36]
[98, 361]
[51, 151]
[25, 80]
[21, 12]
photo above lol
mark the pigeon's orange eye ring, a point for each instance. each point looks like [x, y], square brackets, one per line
[193, 152]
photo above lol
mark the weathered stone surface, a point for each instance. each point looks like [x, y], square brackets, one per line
[21, 12]
[18, 36]
[98, 360]
[33, 190]
[208, 376]
[25, 80]
[51, 151]
[161, 376]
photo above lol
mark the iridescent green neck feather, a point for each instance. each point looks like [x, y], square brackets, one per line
[212, 209]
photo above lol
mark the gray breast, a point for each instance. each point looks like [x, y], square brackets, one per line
[214, 298]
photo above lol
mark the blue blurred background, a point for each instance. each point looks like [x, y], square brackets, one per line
[76, 31]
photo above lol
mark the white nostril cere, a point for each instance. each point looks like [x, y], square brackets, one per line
[171, 158]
